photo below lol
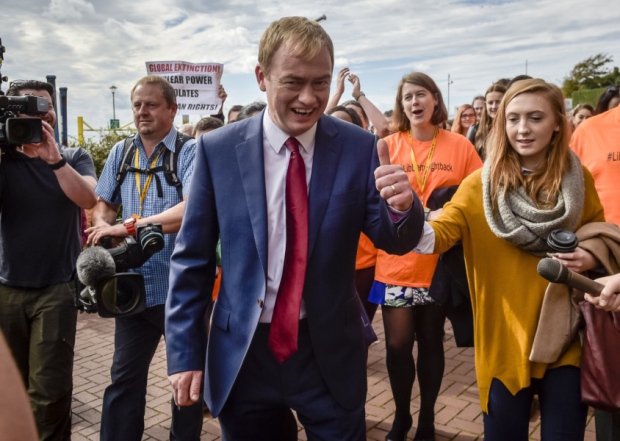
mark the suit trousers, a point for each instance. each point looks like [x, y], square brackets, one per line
[259, 405]
[39, 326]
[135, 341]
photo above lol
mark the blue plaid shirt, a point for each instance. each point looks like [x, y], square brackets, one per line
[156, 269]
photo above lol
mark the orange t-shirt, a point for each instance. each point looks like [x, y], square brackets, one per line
[366, 253]
[597, 143]
[453, 160]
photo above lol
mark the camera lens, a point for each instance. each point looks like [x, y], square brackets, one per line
[151, 240]
[562, 241]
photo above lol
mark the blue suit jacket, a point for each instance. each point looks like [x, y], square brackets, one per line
[227, 199]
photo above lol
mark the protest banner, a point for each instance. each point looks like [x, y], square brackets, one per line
[195, 84]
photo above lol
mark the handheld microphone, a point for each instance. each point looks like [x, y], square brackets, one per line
[555, 272]
[93, 265]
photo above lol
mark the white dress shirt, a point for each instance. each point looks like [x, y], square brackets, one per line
[276, 158]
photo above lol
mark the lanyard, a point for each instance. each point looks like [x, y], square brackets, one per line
[427, 167]
[149, 177]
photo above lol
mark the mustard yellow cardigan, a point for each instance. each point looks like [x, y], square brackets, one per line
[506, 291]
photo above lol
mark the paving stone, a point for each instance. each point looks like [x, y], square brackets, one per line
[458, 415]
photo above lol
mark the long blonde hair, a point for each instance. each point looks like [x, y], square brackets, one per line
[543, 184]
[486, 122]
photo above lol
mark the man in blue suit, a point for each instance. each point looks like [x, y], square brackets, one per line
[288, 192]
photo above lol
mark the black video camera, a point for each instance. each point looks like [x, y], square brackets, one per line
[15, 131]
[108, 288]
[134, 252]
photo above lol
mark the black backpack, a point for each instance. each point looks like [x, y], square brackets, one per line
[169, 167]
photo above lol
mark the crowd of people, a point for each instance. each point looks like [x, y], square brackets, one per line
[309, 213]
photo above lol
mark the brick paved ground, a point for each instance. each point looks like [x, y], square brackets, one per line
[458, 415]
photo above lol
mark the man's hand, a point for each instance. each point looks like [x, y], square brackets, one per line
[609, 300]
[221, 94]
[46, 149]
[98, 231]
[392, 181]
[186, 387]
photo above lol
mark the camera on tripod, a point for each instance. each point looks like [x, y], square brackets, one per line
[15, 131]
[109, 289]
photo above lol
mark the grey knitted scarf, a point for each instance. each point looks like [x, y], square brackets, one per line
[521, 223]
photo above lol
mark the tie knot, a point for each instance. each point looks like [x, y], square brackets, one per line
[292, 144]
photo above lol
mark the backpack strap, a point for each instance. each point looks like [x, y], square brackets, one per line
[128, 149]
[171, 163]
[169, 166]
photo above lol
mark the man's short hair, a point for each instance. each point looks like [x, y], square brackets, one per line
[18, 85]
[166, 88]
[208, 123]
[303, 38]
[187, 129]
[235, 108]
[251, 110]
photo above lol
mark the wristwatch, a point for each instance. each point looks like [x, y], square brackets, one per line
[130, 226]
[426, 212]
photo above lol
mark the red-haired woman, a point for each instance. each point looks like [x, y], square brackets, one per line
[530, 185]
[463, 120]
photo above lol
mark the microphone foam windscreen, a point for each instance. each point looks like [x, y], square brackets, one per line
[94, 264]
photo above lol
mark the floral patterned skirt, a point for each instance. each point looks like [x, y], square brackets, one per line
[398, 296]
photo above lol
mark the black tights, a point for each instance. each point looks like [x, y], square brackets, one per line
[402, 327]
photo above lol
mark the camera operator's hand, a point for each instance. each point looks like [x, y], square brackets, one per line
[45, 149]
[96, 232]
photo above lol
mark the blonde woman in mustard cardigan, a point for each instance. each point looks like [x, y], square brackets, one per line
[530, 185]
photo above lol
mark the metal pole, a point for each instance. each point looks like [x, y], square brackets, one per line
[80, 124]
[52, 80]
[63, 112]
[449, 82]
[113, 89]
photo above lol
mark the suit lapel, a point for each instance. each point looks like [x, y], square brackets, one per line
[252, 171]
[327, 151]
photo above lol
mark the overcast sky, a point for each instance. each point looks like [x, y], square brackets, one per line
[91, 45]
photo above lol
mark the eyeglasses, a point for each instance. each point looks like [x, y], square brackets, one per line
[468, 116]
[17, 83]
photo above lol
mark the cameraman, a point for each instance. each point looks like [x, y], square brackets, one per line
[41, 193]
[145, 197]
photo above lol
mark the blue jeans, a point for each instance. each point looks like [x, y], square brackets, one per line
[562, 414]
[135, 341]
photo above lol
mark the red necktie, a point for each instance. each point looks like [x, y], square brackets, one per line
[285, 321]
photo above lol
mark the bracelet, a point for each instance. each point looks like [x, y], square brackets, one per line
[359, 95]
[58, 164]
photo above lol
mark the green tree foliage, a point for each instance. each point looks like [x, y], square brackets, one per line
[590, 73]
[100, 149]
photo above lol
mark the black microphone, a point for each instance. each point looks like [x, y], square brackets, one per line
[555, 272]
[93, 265]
